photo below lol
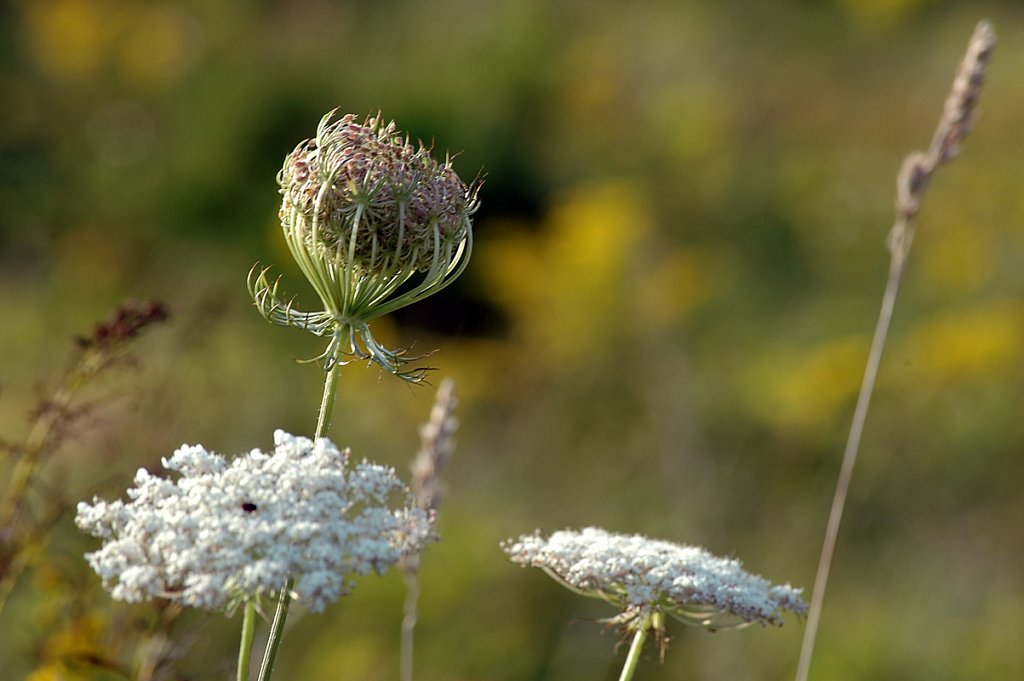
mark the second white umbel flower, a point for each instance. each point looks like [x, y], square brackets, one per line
[646, 578]
[228, 531]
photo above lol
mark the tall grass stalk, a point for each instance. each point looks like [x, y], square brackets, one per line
[437, 444]
[916, 172]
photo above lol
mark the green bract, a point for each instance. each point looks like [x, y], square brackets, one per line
[363, 212]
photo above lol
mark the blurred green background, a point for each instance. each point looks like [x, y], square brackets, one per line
[679, 259]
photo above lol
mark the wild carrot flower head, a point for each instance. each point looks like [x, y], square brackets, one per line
[644, 576]
[364, 211]
[228, 531]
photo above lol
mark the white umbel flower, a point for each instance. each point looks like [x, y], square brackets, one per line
[225, 531]
[644, 577]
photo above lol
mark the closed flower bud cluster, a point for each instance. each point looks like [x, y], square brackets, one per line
[228, 531]
[361, 193]
[374, 224]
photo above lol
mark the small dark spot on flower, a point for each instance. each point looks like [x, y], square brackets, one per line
[248, 507]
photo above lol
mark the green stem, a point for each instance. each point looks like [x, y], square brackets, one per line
[285, 599]
[635, 648]
[245, 648]
[323, 422]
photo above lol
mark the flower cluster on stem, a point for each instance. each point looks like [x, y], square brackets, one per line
[644, 577]
[375, 224]
[227, 532]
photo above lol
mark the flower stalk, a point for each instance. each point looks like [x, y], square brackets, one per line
[437, 443]
[245, 645]
[636, 647]
[363, 213]
[914, 176]
[284, 597]
[648, 579]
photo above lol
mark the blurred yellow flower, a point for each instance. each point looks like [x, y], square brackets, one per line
[73, 652]
[69, 38]
[163, 42]
[873, 15]
[805, 388]
[147, 44]
[980, 341]
[566, 288]
[956, 259]
[592, 275]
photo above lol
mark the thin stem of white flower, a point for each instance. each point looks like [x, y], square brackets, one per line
[284, 598]
[635, 648]
[245, 647]
[323, 423]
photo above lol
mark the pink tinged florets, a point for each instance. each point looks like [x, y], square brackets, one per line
[362, 194]
[374, 224]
